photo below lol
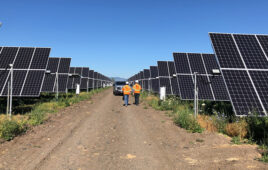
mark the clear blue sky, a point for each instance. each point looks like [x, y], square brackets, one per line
[121, 37]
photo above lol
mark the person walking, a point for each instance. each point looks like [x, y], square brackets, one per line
[126, 92]
[137, 91]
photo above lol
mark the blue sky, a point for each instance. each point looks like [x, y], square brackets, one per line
[122, 37]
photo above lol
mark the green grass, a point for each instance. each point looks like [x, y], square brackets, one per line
[9, 128]
[236, 140]
[264, 157]
[180, 111]
[186, 120]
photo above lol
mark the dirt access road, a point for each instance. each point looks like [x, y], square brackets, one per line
[102, 134]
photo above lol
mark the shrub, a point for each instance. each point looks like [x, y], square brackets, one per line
[186, 120]
[10, 128]
[207, 123]
[258, 129]
[239, 129]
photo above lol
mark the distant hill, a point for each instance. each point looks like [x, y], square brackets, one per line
[118, 79]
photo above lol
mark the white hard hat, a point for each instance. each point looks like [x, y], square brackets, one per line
[127, 82]
[136, 81]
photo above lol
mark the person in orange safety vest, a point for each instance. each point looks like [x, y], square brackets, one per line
[137, 91]
[126, 92]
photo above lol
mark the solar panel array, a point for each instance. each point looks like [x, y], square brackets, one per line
[29, 66]
[34, 72]
[209, 87]
[243, 60]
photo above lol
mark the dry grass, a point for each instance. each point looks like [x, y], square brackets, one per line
[237, 129]
[207, 123]
[151, 97]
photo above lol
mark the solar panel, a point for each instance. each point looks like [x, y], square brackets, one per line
[173, 80]
[63, 78]
[165, 82]
[40, 58]
[186, 87]
[85, 76]
[153, 71]
[155, 85]
[27, 63]
[209, 87]
[91, 77]
[23, 58]
[164, 76]
[49, 82]
[162, 68]
[33, 83]
[64, 65]
[244, 64]
[60, 66]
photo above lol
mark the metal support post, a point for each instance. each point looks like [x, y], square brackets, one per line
[195, 95]
[57, 85]
[8, 95]
[87, 85]
[11, 89]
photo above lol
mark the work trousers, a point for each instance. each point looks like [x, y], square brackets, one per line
[137, 98]
[126, 96]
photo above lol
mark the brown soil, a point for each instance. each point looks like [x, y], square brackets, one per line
[102, 134]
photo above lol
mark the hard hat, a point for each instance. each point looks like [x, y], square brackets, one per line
[136, 81]
[127, 82]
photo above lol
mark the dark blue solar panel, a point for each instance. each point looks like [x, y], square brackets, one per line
[186, 86]
[53, 64]
[153, 71]
[260, 80]
[3, 78]
[251, 51]
[146, 73]
[18, 79]
[181, 63]
[226, 51]
[71, 70]
[243, 96]
[210, 62]
[196, 63]
[85, 71]
[49, 82]
[23, 58]
[40, 58]
[219, 88]
[204, 90]
[63, 82]
[162, 68]
[263, 39]
[64, 65]
[7, 56]
[84, 83]
[155, 85]
[78, 70]
[165, 82]
[33, 83]
[175, 86]
[171, 67]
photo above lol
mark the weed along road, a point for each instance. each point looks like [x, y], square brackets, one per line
[102, 134]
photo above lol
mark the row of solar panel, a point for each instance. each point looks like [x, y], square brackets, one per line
[242, 60]
[178, 77]
[34, 72]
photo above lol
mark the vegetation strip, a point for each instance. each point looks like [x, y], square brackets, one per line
[20, 123]
[214, 117]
